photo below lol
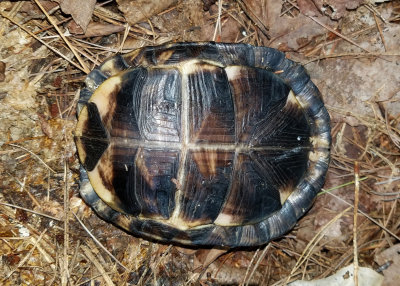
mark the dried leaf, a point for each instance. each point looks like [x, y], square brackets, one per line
[391, 258]
[204, 257]
[81, 11]
[308, 7]
[335, 9]
[345, 277]
[95, 29]
[141, 10]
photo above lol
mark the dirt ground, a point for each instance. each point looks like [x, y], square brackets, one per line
[49, 236]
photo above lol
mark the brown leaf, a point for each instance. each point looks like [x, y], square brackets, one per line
[308, 7]
[141, 10]
[99, 29]
[389, 260]
[204, 257]
[95, 29]
[335, 9]
[32, 9]
[81, 11]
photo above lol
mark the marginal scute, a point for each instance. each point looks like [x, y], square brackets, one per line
[202, 143]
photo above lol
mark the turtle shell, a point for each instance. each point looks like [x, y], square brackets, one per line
[202, 143]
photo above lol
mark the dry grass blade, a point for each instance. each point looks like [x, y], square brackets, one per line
[260, 258]
[337, 33]
[64, 271]
[27, 256]
[355, 213]
[218, 26]
[99, 243]
[253, 17]
[92, 258]
[43, 42]
[380, 32]
[31, 211]
[369, 217]
[394, 136]
[245, 280]
[72, 48]
[34, 155]
[308, 250]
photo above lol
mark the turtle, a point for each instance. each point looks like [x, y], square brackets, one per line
[202, 143]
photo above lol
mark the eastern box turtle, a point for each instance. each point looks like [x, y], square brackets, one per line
[202, 143]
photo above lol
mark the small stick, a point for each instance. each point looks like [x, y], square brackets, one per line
[218, 23]
[355, 212]
[72, 48]
[253, 17]
[31, 211]
[336, 33]
[380, 31]
[99, 243]
[27, 256]
[43, 42]
[65, 276]
[34, 155]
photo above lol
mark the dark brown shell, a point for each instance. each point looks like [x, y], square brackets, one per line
[202, 143]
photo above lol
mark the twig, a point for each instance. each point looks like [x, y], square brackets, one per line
[65, 273]
[72, 48]
[22, 262]
[218, 28]
[97, 264]
[353, 55]
[355, 213]
[380, 32]
[99, 243]
[337, 33]
[253, 17]
[34, 155]
[368, 216]
[43, 42]
[31, 211]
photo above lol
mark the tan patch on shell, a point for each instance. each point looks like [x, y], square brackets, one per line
[144, 171]
[293, 99]
[193, 66]
[235, 72]
[224, 219]
[164, 56]
[300, 101]
[110, 68]
[101, 179]
[285, 192]
[208, 160]
[105, 99]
